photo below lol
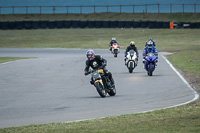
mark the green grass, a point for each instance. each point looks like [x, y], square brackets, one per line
[184, 119]
[7, 59]
[187, 61]
[184, 42]
[166, 39]
[176, 17]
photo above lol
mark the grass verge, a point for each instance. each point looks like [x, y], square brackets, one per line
[7, 59]
[184, 119]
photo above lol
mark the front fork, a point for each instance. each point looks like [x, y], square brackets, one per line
[147, 65]
[100, 81]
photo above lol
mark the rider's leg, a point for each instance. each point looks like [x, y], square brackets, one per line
[143, 62]
[109, 74]
[110, 48]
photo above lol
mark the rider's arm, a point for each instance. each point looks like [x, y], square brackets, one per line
[154, 43]
[144, 52]
[127, 49]
[104, 61]
[110, 44]
[156, 52]
[137, 52]
[86, 70]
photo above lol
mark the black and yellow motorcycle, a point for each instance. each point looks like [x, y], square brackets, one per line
[102, 83]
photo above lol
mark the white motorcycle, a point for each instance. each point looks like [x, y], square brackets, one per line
[131, 60]
[115, 49]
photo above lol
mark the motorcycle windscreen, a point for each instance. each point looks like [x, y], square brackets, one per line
[131, 52]
[95, 74]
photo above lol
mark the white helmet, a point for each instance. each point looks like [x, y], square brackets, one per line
[113, 38]
[149, 44]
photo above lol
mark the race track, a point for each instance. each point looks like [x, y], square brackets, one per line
[53, 88]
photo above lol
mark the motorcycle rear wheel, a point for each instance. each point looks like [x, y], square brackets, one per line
[112, 91]
[115, 53]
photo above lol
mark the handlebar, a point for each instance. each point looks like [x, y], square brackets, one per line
[89, 72]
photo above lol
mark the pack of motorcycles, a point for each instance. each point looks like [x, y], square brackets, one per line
[103, 84]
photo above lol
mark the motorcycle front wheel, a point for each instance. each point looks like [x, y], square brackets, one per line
[150, 69]
[131, 67]
[115, 53]
[100, 89]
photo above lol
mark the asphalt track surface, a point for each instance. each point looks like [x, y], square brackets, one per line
[53, 88]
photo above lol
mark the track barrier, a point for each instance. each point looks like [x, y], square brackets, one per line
[10, 25]
[171, 25]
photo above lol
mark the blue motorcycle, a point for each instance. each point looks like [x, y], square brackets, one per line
[150, 63]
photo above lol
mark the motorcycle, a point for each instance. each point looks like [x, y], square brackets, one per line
[102, 83]
[131, 60]
[115, 49]
[150, 63]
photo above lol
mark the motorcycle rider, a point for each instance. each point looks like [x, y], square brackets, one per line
[112, 42]
[151, 39]
[132, 46]
[95, 62]
[150, 49]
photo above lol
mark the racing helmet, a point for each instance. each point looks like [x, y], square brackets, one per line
[149, 44]
[132, 43]
[114, 39]
[90, 54]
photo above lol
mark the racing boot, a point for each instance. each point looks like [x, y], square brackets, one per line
[136, 61]
[143, 61]
[112, 80]
[92, 82]
[125, 61]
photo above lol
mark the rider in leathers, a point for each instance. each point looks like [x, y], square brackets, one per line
[132, 46]
[112, 42]
[150, 49]
[95, 62]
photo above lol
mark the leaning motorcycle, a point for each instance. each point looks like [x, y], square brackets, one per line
[115, 49]
[150, 63]
[102, 83]
[131, 60]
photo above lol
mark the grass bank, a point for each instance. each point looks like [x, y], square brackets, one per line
[185, 43]
[175, 17]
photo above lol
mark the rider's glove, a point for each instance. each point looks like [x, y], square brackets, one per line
[143, 60]
[86, 73]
